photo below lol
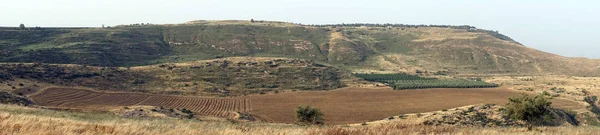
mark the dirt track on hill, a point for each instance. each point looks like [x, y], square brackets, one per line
[343, 106]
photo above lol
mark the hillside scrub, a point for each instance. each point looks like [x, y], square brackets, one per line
[461, 49]
[220, 77]
[535, 110]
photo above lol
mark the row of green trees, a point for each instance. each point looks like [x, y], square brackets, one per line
[406, 81]
[449, 83]
[388, 77]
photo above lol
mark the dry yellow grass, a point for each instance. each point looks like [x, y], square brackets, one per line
[22, 120]
[575, 88]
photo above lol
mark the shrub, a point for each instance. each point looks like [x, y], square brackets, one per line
[309, 115]
[535, 110]
[402, 116]
[186, 111]
[546, 93]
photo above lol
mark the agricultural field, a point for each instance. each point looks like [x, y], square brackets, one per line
[406, 81]
[92, 100]
[342, 106]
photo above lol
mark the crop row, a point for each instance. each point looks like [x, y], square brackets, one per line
[382, 77]
[222, 107]
[57, 97]
[445, 83]
[206, 106]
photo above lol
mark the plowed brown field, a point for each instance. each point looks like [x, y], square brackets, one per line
[356, 105]
[93, 100]
[343, 106]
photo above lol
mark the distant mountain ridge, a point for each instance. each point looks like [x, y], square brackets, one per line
[355, 47]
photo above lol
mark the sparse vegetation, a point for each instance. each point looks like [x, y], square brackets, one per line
[316, 57]
[145, 44]
[230, 77]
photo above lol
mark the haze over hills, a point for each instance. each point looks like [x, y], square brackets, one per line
[355, 47]
[250, 74]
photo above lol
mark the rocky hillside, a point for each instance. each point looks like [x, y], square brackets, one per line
[359, 47]
[219, 77]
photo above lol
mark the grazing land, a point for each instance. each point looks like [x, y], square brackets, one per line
[246, 71]
[357, 47]
[343, 106]
[219, 77]
[26, 120]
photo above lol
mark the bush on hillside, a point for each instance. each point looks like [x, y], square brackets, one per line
[309, 115]
[535, 110]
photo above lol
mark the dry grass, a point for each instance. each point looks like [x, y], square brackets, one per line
[22, 120]
[574, 87]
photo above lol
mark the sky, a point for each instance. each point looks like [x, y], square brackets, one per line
[564, 27]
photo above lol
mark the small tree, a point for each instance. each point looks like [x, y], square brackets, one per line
[252, 20]
[309, 115]
[535, 110]
[22, 26]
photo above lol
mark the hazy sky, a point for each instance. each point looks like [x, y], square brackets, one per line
[565, 27]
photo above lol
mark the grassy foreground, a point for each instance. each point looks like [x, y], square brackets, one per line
[23, 120]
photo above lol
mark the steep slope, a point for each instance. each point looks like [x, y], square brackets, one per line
[358, 47]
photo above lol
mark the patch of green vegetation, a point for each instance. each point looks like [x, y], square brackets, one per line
[535, 110]
[406, 81]
[386, 77]
[100, 47]
[309, 115]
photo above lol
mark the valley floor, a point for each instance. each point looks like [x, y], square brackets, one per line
[23, 120]
[342, 106]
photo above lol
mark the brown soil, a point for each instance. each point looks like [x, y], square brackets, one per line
[343, 106]
[356, 105]
[94, 100]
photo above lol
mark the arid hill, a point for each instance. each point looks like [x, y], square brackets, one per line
[357, 47]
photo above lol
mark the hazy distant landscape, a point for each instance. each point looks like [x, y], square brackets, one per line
[270, 77]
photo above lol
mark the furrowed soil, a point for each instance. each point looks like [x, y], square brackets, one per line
[342, 106]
